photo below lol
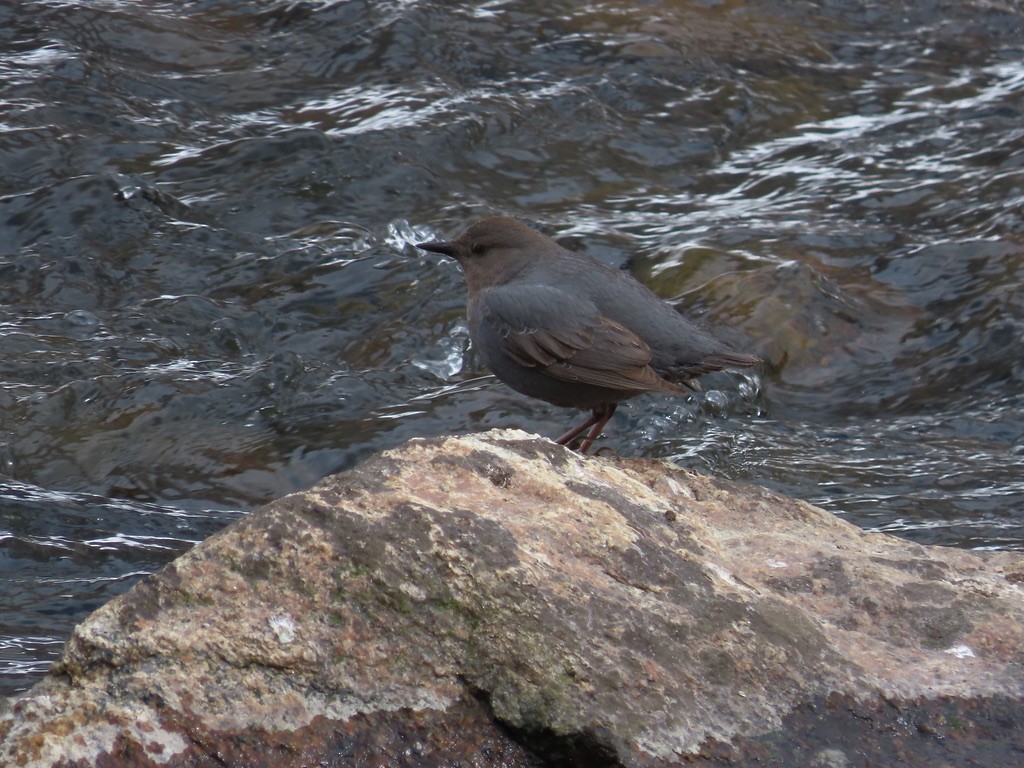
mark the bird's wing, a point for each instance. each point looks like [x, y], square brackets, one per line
[565, 337]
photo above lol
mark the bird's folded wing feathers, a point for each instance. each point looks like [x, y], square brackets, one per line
[565, 337]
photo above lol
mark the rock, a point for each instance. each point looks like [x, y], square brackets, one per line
[497, 600]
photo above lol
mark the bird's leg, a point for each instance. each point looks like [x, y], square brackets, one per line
[573, 433]
[602, 414]
[595, 423]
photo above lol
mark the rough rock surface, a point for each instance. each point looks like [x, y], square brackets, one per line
[497, 600]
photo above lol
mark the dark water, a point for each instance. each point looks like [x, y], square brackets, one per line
[208, 298]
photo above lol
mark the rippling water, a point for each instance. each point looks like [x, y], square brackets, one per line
[209, 298]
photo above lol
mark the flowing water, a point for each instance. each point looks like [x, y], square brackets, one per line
[208, 297]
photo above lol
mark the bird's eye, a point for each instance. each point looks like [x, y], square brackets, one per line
[477, 249]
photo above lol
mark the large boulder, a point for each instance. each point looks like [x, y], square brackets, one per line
[498, 600]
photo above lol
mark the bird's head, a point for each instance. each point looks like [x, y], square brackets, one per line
[492, 251]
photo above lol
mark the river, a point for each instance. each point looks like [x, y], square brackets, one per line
[210, 298]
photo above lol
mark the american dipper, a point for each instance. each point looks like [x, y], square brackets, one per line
[561, 326]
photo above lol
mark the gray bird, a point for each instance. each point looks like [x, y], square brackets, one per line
[565, 328]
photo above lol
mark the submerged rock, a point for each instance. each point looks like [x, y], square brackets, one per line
[497, 600]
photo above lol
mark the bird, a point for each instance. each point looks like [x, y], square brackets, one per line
[560, 326]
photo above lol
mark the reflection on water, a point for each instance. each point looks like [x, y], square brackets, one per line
[210, 298]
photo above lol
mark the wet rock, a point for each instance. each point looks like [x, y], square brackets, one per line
[497, 600]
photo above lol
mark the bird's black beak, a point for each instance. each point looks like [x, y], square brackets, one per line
[438, 246]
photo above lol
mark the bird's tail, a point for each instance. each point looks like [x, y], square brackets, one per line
[714, 361]
[720, 360]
